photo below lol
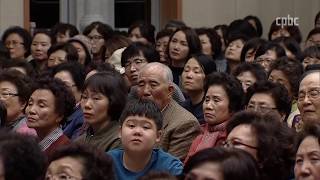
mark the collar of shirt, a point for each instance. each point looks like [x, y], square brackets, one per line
[51, 138]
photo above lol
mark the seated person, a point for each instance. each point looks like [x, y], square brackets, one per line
[140, 130]
[77, 161]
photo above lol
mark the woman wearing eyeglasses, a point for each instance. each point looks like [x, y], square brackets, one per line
[15, 91]
[268, 140]
[223, 98]
[18, 41]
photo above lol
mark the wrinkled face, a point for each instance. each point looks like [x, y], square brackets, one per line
[81, 52]
[161, 47]
[309, 97]
[206, 45]
[96, 40]
[278, 76]
[307, 166]
[193, 76]
[65, 168]
[233, 51]
[63, 38]
[56, 58]
[262, 102]
[40, 45]
[246, 79]
[133, 66]
[153, 85]
[309, 61]
[216, 105]
[178, 48]
[135, 36]
[206, 171]
[41, 111]
[243, 137]
[139, 134]
[280, 33]
[266, 59]
[14, 43]
[313, 40]
[9, 96]
[95, 107]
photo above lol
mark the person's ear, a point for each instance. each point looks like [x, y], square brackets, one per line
[171, 89]
[159, 133]
[119, 132]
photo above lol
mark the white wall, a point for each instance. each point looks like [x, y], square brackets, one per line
[198, 13]
[11, 13]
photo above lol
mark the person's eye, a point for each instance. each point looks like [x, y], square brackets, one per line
[206, 99]
[146, 127]
[84, 96]
[299, 161]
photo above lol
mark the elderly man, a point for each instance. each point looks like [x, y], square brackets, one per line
[180, 127]
[309, 96]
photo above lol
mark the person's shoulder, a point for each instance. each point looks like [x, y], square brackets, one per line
[168, 161]
[115, 152]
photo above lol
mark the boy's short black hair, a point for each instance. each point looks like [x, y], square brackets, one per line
[142, 107]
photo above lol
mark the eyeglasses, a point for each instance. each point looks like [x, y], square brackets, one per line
[262, 109]
[234, 144]
[13, 43]
[135, 61]
[311, 94]
[263, 60]
[61, 176]
[95, 38]
[6, 95]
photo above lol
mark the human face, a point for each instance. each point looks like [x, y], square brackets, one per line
[250, 55]
[62, 38]
[136, 36]
[153, 85]
[96, 40]
[243, 137]
[81, 52]
[10, 97]
[206, 171]
[278, 76]
[206, 45]
[57, 58]
[313, 40]
[280, 33]
[193, 76]
[307, 166]
[67, 78]
[266, 59]
[133, 66]
[309, 96]
[261, 102]
[40, 45]
[310, 60]
[139, 134]
[161, 47]
[216, 105]
[95, 107]
[41, 111]
[233, 51]
[246, 79]
[65, 168]
[178, 49]
[14, 43]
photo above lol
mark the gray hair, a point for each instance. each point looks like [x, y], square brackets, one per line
[165, 70]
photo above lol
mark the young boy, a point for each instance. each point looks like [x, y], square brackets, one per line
[141, 121]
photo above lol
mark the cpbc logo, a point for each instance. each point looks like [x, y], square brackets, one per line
[287, 21]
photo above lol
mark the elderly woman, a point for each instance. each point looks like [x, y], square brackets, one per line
[268, 140]
[80, 162]
[103, 97]
[18, 41]
[14, 93]
[49, 105]
[308, 153]
[193, 79]
[223, 97]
